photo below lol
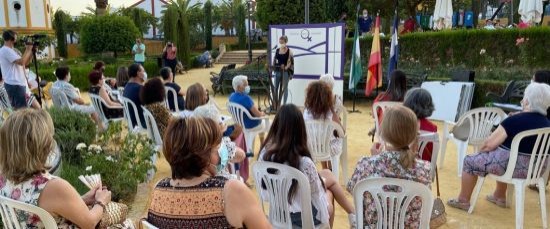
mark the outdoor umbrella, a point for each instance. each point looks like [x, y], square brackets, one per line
[530, 11]
[443, 14]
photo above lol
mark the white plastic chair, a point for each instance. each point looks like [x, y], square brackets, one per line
[59, 99]
[277, 179]
[97, 102]
[9, 209]
[391, 207]
[147, 225]
[423, 141]
[481, 122]
[128, 104]
[535, 175]
[319, 134]
[238, 113]
[171, 92]
[344, 156]
[152, 128]
[380, 106]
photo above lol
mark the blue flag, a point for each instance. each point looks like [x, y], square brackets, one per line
[394, 48]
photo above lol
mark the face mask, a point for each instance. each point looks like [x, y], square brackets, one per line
[223, 152]
[144, 76]
[247, 90]
[283, 45]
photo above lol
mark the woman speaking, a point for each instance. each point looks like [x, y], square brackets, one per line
[282, 63]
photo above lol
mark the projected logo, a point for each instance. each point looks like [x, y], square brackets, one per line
[306, 35]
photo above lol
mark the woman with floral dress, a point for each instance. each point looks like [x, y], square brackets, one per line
[399, 130]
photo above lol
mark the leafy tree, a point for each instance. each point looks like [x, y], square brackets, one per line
[109, 33]
[241, 26]
[141, 18]
[270, 12]
[224, 16]
[168, 24]
[197, 27]
[180, 10]
[208, 24]
[59, 24]
[72, 27]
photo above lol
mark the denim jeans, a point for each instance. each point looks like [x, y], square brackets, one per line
[281, 78]
[17, 95]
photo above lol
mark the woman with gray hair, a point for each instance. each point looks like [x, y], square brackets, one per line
[338, 101]
[241, 97]
[494, 154]
[419, 100]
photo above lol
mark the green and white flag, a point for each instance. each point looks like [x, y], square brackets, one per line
[356, 71]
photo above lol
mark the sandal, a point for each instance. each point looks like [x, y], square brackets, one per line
[498, 202]
[455, 203]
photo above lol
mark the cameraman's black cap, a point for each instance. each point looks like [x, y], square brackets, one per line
[8, 35]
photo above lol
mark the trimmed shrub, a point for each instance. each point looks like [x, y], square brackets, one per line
[110, 33]
[72, 128]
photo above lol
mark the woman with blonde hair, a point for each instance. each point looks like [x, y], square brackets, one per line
[24, 175]
[399, 132]
[196, 96]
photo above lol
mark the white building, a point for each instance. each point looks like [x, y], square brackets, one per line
[27, 17]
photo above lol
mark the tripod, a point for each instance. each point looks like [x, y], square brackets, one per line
[38, 80]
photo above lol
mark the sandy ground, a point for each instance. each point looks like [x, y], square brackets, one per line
[486, 215]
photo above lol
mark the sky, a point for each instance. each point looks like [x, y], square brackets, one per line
[75, 7]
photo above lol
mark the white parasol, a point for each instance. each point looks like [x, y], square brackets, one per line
[530, 11]
[443, 14]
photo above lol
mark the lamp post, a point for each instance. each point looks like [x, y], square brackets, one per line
[307, 12]
[248, 6]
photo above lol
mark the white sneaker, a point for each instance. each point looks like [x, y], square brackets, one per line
[352, 222]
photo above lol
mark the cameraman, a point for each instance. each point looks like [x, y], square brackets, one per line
[169, 57]
[13, 70]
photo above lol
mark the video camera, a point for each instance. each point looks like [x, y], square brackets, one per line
[34, 39]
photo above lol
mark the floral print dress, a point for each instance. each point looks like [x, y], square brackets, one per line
[29, 192]
[386, 164]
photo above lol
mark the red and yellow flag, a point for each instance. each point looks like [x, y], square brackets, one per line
[374, 77]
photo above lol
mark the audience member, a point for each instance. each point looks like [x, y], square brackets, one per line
[152, 96]
[419, 100]
[110, 82]
[196, 96]
[168, 77]
[293, 151]
[338, 101]
[399, 130]
[194, 195]
[495, 151]
[112, 109]
[409, 26]
[498, 25]
[241, 97]
[228, 151]
[131, 91]
[395, 92]
[543, 76]
[365, 23]
[122, 76]
[319, 105]
[12, 66]
[489, 25]
[25, 178]
[73, 96]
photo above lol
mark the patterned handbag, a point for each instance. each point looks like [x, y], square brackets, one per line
[439, 216]
[113, 214]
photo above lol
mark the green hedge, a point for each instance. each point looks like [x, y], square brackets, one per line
[463, 47]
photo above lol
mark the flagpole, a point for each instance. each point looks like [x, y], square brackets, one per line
[355, 88]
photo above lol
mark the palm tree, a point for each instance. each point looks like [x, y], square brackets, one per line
[180, 9]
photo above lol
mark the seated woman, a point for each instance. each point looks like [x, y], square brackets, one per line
[240, 96]
[228, 151]
[194, 195]
[168, 77]
[542, 76]
[495, 151]
[293, 151]
[320, 106]
[152, 97]
[394, 93]
[113, 108]
[25, 178]
[196, 96]
[338, 101]
[122, 76]
[419, 100]
[399, 131]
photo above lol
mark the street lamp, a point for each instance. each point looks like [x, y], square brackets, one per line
[307, 12]
[249, 5]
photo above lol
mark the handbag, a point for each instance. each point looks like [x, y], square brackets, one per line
[439, 216]
[462, 131]
[114, 213]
